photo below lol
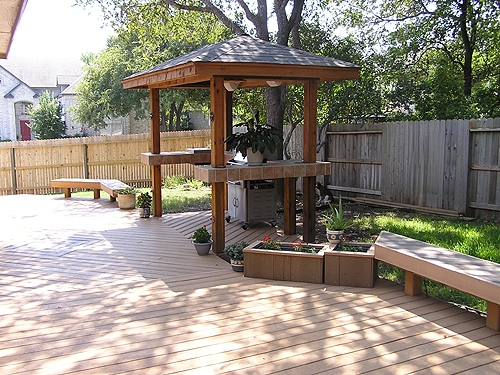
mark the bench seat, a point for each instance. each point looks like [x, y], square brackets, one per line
[108, 185]
[478, 277]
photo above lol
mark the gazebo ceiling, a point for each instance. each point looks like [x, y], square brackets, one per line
[243, 62]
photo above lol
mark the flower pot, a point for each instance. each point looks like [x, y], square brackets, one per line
[203, 248]
[145, 212]
[237, 264]
[334, 236]
[126, 201]
[254, 158]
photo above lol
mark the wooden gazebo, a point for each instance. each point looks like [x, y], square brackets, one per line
[242, 62]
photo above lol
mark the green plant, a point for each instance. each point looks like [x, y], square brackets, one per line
[235, 251]
[201, 235]
[270, 244]
[336, 220]
[144, 200]
[300, 247]
[127, 190]
[259, 137]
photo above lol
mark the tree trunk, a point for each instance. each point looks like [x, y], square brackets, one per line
[468, 43]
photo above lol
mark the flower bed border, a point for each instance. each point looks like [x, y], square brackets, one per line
[284, 265]
[347, 268]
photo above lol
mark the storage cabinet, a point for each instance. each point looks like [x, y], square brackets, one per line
[252, 201]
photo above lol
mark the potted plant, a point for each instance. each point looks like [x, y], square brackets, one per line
[335, 223]
[253, 143]
[126, 198]
[144, 201]
[235, 254]
[201, 240]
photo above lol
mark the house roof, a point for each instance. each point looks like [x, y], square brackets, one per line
[10, 15]
[244, 58]
[39, 72]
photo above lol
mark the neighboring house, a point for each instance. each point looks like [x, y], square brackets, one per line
[23, 80]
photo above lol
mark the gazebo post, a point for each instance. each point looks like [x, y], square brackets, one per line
[154, 106]
[218, 130]
[310, 138]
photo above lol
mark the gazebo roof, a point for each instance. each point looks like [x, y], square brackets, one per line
[250, 62]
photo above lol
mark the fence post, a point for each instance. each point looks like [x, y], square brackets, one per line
[85, 161]
[13, 170]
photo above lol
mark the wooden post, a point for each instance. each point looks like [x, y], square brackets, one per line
[290, 223]
[218, 129]
[310, 138]
[13, 170]
[154, 105]
[85, 161]
[493, 316]
[413, 284]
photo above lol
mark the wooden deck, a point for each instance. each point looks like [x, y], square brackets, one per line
[87, 288]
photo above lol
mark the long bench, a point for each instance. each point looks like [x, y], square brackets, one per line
[109, 186]
[478, 277]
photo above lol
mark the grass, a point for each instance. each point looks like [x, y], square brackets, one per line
[476, 238]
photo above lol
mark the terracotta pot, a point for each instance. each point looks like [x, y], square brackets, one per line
[126, 201]
[203, 248]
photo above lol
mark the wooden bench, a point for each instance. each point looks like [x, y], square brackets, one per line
[109, 186]
[478, 277]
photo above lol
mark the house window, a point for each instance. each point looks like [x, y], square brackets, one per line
[22, 108]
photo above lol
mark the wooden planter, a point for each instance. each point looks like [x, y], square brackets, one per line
[345, 268]
[284, 265]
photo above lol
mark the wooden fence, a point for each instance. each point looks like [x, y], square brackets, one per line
[450, 166]
[29, 166]
[447, 166]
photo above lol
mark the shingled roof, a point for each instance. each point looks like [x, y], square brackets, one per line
[251, 60]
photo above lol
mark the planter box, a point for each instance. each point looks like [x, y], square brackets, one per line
[284, 265]
[347, 268]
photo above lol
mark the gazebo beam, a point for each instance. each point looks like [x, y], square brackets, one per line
[155, 148]
[310, 138]
[218, 131]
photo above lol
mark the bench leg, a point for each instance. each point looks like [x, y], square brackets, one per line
[97, 193]
[67, 192]
[493, 317]
[413, 284]
[112, 199]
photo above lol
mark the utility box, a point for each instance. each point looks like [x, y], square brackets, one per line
[252, 201]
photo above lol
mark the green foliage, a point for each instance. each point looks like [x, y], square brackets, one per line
[235, 251]
[179, 182]
[201, 235]
[336, 220]
[259, 137]
[127, 190]
[46, 118]
[144, 200]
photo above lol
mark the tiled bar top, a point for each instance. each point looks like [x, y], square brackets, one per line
[269, 170]
[179, 157]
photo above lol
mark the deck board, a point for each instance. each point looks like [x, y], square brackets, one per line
[87, 288]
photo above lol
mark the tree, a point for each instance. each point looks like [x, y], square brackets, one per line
[458, 35]
[287, 14]
[46, 118]
[147, 38]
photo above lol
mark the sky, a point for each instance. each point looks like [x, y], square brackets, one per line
[56, 28]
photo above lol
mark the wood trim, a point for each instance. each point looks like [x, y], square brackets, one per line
[355, 132]
[355, 161]
[485, 168]
[484, 206]
[354, 190]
